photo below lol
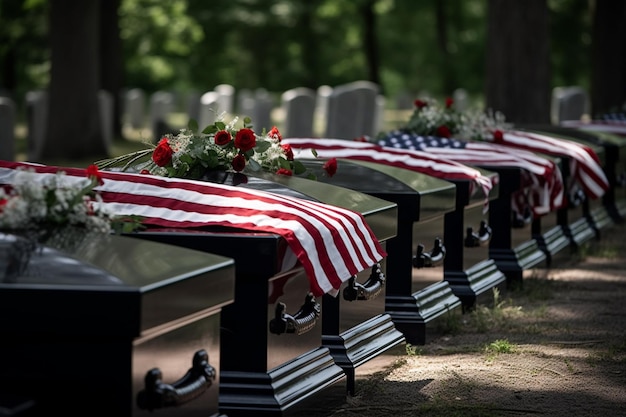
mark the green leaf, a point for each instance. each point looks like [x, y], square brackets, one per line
[192, 125]
[262, 146]
[298, 168]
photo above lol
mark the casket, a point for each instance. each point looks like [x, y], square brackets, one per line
[600, 212]
[112, 326]
[417, 293]
[468, 232]
[280, 346]
[614, 162]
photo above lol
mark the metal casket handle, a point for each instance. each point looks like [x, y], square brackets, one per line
[433, 258]
[301, 322]
[196, 381]
[481, 238]
[367, 291]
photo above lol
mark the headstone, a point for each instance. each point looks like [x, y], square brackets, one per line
[7, 129]
[245, 102]
[263, 106]
[135, 108]
[162, 104]
[568, 103]
[321, 108]
[208, 109]
[193, 106]
[379, 119]
[106, 108]
[37, 117]
[298, 105]
[461, 99]
[352, 110]
[226, 99]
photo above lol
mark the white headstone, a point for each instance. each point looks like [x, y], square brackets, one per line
[226, 99]
[298, 105]
[7, 129]
[568, 103]
[263, 106]
[135, 108]
[208, 109]
[162, 104]
[352, 110]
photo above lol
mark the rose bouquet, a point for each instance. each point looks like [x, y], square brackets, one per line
[432, 119]
[220, 146]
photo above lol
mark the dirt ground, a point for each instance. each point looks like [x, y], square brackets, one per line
[557, 347]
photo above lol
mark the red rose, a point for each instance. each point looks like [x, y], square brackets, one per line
[420, 103]
[275, 134]
[239, 162]
[93, 173]
[449, 102]
[498, 136]
[331, 167]
[144, 172]
[284, 171]
[162, 154]
[288, 151]
[443, 131]
[3, 202]
[222, 138]
[245, 139]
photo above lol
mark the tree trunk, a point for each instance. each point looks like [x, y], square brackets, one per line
[371, 47]
[518, 60]
[608, 57]
[73, 123]
[111, 65]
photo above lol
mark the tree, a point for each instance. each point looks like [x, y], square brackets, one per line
[608, 59]
[518, 70]
[73, 122]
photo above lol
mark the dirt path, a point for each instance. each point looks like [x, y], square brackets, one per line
[555, 348]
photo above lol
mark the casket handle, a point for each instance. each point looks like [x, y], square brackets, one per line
[368, 290]
[521, 221]
[433, 258]
[299, 323]
[481, 238]
[196, 381]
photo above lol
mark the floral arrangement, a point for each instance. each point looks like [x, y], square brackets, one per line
[42, 209]
[220, 146]
[432, 119]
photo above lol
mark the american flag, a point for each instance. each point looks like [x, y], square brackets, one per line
[609, 123]
[542, 182]
[584, 163]
[413, 160]
[331, 243]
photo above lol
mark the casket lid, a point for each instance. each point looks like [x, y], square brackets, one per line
[420, 196]
[107, 285]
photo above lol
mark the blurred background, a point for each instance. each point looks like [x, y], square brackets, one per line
[70, 68]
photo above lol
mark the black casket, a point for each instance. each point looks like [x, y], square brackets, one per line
[417, 293]
[281, 346]
[112, 326]
[468, 269]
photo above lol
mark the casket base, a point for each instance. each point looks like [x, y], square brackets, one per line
[277, 391]
[474, 283]
[513, 262]
[362, 343]
[418, 315]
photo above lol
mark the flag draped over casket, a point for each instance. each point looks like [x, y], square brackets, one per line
[542, 182]
[407, 159]
[584, 162]
[331, 243]
[614, 123]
